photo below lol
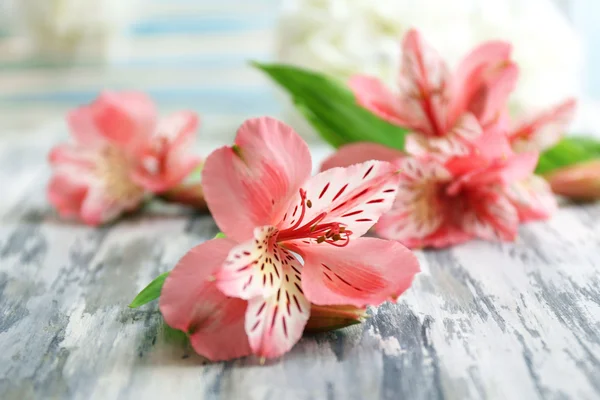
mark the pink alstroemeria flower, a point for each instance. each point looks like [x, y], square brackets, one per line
[119, 153]
[444, 111]
[292, 240]
[484, 194]
[542, 130]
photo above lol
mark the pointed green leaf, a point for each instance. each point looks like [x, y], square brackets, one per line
[570, 150]
[150, 292]
[330, 107]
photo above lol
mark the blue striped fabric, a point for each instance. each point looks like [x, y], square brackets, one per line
[185, 53]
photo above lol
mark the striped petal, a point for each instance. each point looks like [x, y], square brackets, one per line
[532, 198]
[418, 210]
[458, 141]
[355, 197]
[545, 129]
[424, 84]
[490, 215]
[255, 268]
[274, 324]
[367, 271]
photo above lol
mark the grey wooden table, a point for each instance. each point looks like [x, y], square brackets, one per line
[483, 320]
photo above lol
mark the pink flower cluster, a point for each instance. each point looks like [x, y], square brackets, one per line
[467, 171]
[293, 244]
[120, 154]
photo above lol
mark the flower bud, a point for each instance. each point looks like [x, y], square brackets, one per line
[328, 318]
[579, 182]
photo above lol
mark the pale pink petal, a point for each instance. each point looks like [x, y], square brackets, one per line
[83, 127]
[489, 101]
[99, 207]
[192, 303]
[544, 129]
[251, 184]
[74, 156]
[355, 153]
[458, 141]
[66, 194]
[367, 271]
[372, 94]
[355, 197]
[126, 119]
[471, 72]
[532, 198]
[424, 85]
[419, 208]
[490, 215]
[255, 268]
[274, 324]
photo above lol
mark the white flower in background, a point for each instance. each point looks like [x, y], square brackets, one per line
[67, 27]
[345, 37]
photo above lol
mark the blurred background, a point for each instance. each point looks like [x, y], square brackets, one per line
[193, 54]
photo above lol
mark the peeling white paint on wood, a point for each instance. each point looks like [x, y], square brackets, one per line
[483, 320]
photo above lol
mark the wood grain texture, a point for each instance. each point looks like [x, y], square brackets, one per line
[482, 321]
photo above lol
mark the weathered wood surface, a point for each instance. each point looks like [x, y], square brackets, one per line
[495, 321]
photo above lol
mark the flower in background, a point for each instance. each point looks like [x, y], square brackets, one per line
[59, 28]
[442, 202]
[348, 37]
[119, 155]
[292, 241]
[444, 111]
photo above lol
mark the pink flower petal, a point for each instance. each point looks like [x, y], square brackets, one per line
[458, 141]
[99, 207]
[355, 153]
[74, 156]
[544, 129]
[490, 100]
[372, 94]
[66, 194]
[167, 159]
[191, 303]
[424, 85]
[255, 268]
[251, 184]
[490, 215]
[445, 236]
[418, 211]
[83, 127]
[471, 72]
[354, 197]
[274, 324]
[504, 171]
[127, 119]
[532, 198]
[367, 271]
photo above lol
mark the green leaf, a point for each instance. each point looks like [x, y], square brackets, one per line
[570, 150]
[330, 107]
[219, 235]
[150, 292]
